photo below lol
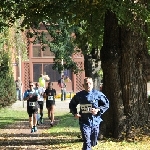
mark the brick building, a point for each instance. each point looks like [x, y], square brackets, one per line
[40, 62]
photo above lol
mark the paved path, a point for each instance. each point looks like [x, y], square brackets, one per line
[60, 105]
[17, 136]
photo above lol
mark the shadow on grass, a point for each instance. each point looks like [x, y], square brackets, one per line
[65, 120]
[18, 133]
[30, 139]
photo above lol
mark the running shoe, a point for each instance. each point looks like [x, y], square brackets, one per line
[35, 128]
[41, 120]
[38, 122]
[32, 130]
[51, 124]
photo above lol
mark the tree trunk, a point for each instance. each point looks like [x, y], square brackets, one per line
[124, 83]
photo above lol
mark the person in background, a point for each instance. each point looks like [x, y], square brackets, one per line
[50, 94]
[40, 91]
[18, 89]
[42, 81]
[62, 85]
[93, 104]
[32, 106]
[67, 79]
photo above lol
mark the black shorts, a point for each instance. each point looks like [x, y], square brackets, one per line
[49, 104]
[31, 111]
[41, 104]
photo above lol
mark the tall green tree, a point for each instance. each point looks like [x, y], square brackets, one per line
[7, 83]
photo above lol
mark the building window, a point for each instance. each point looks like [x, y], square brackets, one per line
[36, 51]
[53, 74]
[37, 70]
[47, 52]
[46, 69]
[47, 37]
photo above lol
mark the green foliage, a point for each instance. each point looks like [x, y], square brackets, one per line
[148, 33]
[7, 86]
[19, 40]
[100, 73]
[60, 43]
[86, 18]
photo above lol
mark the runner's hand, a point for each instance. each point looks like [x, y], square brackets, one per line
[77, 116]
[94, 111]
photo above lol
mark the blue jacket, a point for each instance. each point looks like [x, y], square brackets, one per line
[88, 100]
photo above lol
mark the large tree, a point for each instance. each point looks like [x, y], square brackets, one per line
[124, 49]
[123, 57]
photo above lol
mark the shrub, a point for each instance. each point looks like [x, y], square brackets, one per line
[7, 84]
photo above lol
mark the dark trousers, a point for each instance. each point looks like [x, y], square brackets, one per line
[89, 136]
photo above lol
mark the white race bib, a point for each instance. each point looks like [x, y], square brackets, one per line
[41, 98]
[31, 103]
[86, 108]
[50, 98]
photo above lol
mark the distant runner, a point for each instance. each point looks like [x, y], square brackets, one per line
[40, 91]
[50, 94]
[32, 106]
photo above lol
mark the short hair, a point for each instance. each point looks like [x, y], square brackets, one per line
[37, 83]
[86, 78]
[50, 83]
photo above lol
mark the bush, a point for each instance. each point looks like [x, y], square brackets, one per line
[7, 84]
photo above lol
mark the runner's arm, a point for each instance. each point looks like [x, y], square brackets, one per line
[26, 96]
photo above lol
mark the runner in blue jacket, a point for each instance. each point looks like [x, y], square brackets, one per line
[31, 96]
[93, 104]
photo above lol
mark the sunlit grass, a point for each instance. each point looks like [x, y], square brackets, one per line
[9, 116]
[67, 131]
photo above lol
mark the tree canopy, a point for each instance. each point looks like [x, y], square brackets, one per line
[86, 18]
[87, 14]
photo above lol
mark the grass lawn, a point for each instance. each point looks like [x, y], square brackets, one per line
[8, 116]
[64, 135]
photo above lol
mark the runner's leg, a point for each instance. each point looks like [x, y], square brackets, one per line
[52, 114]
[35, 121]
[38, 114]
[41, 112]
[31, 120]
[49, 111]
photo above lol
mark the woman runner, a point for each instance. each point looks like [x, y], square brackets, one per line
[50, 94]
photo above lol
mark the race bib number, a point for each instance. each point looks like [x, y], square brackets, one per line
[86, 108]
[31, 103]
[50, 98]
